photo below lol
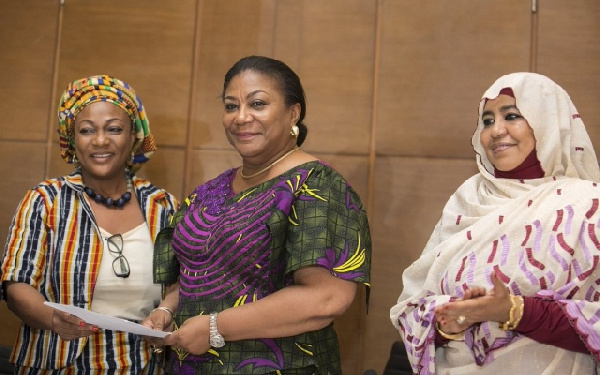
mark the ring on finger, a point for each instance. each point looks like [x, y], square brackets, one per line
[461, 319]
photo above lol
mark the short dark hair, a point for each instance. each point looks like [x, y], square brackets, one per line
[286, 78]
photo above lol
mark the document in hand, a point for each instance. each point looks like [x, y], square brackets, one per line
[108, 322]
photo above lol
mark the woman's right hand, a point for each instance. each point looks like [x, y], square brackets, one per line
[70, 327]
[477, 305]
[28, 304]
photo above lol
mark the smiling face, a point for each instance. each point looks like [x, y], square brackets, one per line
[506, 136]
[256, 120]
[104, 138]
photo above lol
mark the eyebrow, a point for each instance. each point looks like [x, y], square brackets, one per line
[504, 108]
[90, 121]
[251, 94]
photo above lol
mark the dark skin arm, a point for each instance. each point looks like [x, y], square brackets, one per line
[28, 304]
[161, 320]
[312, 303]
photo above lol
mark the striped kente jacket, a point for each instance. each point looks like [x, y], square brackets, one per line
[55, 245]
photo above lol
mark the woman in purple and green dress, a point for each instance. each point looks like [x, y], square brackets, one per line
[268, 254]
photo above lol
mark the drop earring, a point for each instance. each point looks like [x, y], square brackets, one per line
[295, 131]
[76, 161]
[130, 160]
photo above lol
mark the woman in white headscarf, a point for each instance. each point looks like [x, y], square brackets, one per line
[509, 280]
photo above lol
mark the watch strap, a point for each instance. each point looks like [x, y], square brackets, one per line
[216, 340]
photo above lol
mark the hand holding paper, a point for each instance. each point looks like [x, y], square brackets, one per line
[108, 322]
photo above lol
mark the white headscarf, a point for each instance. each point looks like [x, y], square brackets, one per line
[563, 146]
[511, 227]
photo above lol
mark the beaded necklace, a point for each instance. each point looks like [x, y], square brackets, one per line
[108, 201]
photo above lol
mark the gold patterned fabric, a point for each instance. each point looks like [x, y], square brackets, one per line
[85, 91]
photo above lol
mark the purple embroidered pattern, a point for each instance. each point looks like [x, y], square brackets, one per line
[234, 249]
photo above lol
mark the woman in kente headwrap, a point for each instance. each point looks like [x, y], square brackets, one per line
[86, 239]
[509, 281]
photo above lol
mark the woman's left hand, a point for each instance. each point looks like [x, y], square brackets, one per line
[476, 306]
[192, 336]
[161, 321]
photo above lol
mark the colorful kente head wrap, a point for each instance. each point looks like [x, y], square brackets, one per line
[85, 91]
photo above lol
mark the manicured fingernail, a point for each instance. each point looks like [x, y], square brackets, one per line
[95, 329]
[82, 324]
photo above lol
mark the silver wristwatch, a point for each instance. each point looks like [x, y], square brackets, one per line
[215, 340]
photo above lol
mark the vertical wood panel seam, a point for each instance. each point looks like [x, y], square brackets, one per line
[372, 159]
[53, 97]
[275, 26]
[533, 41]
[373, 125]
[187, 160]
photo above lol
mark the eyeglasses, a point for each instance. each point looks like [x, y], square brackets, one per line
[120, 264]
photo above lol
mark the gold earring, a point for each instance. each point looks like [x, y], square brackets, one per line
[76, 161]
[295, 131]
[130, 160]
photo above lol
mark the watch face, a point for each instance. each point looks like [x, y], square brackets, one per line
[217, 341]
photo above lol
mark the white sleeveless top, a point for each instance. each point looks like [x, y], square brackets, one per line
[134, 297]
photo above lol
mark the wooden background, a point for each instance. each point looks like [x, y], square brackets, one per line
[393, 88]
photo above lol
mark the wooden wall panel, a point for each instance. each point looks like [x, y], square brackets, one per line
[437, 59]
[28, 38]
[22, 170]
[409, 197]
[296, 31]
[147, 43]
[165, 170]
[569, 53]
[28, 33]
[228, 31]
[9, 326]
[332, 50]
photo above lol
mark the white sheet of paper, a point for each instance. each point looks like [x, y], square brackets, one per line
[108, 322]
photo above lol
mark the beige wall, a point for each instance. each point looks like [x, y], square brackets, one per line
[392, 86]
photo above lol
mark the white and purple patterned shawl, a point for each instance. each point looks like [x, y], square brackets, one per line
[542, 236]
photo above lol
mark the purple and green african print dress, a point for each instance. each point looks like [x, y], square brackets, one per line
[231, 249]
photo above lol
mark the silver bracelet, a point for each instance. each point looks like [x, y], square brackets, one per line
[165, 309]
